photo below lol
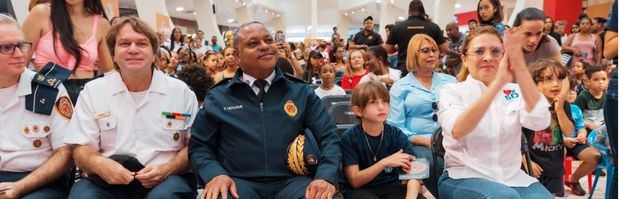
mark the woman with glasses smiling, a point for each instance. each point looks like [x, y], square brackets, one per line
[413, 99]
[482, 117]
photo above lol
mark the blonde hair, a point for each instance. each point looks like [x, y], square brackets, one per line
[473, 34]
[412, 51]
[349, 70]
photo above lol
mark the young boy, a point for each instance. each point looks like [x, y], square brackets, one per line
[328, 86]
[576, 145]
[591, 100]
[546, 146]
[374, 152]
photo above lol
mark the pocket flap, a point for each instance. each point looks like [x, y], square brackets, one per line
[106, 123]
[174, 124]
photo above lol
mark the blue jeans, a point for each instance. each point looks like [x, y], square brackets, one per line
[481, 188]
[175, 186]
[430, 182]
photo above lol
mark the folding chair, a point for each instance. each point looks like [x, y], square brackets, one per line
[342, 115]
[330, 100]
[438, 152]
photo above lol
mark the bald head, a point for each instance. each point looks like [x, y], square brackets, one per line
[452, 30]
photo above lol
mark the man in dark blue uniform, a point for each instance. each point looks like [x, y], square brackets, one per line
[239, 139]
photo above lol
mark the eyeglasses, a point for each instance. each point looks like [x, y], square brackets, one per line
[496, 52]
[434, 106]
[428, 50]
[24, 47]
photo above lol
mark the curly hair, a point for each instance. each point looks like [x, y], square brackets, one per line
[197, 79]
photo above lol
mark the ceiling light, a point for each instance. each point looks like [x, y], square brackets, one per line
[378, 1]
[278, 15]
[363, 9]
[194, 13]
[392, 1]
[457, 5]
[266, 11]
[244, 3]
[401, 18]
[352, 12]
[346, 14]
[231, 20]
[180, 8]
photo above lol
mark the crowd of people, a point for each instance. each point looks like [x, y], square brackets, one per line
[136, 115]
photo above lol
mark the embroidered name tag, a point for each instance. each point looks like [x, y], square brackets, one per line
[234, 107]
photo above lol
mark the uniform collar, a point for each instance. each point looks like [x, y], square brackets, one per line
[470, 81]
[157, 83]
[25, 79]
[248, 79]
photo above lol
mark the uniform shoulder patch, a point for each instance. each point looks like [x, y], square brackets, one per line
[64, 107]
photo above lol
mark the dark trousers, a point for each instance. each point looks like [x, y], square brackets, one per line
[431, 182]
[388, 192]
[74, 87]
[57, 189]
[290, 188]
[175, 186]
[611, 121]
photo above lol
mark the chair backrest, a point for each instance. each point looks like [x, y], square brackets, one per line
[437, 143]
[598, 138]
[342, 113]
[330, 100]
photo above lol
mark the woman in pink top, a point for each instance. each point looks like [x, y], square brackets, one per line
[74, 38]
[586, 47]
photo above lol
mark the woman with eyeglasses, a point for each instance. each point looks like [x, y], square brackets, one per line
[413, 99]
[482, 117]
[70, 34]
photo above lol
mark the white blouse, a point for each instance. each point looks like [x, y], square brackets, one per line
[492, 150]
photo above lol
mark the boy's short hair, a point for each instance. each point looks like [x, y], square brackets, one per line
[371, 90]
[538, 67]
[593, 69]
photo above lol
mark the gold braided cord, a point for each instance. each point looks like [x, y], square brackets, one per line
[295, 158]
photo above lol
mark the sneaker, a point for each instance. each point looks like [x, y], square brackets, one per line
[575, 188]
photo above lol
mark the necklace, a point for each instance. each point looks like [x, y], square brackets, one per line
[374, 156]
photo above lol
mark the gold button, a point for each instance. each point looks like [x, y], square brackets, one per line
[36, 143]
[46, 128]
[176, 136]
[169, 124]
[26, 130]
[35, 128]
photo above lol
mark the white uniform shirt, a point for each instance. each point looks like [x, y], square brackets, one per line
[27, 138]
[107, 118]
[492, 150]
